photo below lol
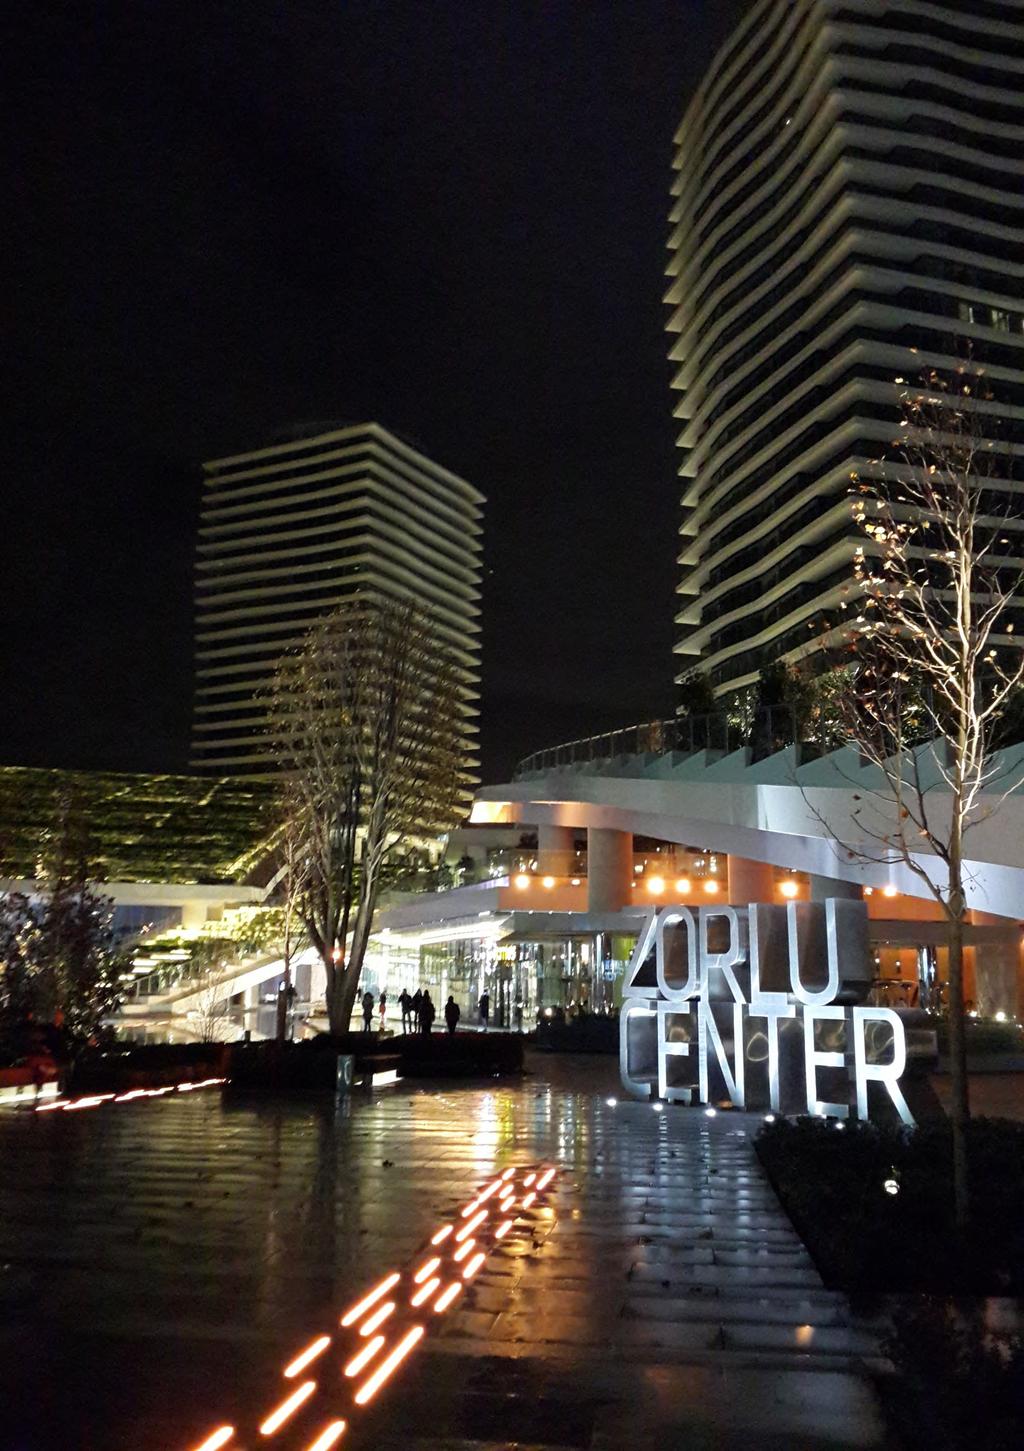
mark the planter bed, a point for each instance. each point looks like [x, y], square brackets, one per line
[312, 1065]
[873, 1204]
[144, 1065]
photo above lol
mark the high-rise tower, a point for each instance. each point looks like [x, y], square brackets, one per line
[290, 531]
[849, 210]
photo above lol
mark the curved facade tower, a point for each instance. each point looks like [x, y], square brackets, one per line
[291, 531]
[849, 210]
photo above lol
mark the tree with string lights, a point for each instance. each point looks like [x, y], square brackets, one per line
[933, 659]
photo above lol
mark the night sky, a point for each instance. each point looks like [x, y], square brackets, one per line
[224, 216]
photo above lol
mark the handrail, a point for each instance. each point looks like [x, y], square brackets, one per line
[771, 728]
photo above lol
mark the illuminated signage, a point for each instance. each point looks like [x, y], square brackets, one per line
[763, 1006]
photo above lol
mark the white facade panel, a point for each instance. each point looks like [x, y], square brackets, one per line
[289, 532]
[848, 211]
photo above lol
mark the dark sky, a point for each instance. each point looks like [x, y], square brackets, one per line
[222, 216]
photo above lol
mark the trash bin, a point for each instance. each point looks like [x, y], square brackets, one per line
[346, 1072]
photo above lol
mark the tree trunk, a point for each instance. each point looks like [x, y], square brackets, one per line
[282, 1002]
[342, 986]
[960, 1107]
[343, 978]
[286, 987]
[361, 934]
[334, 993]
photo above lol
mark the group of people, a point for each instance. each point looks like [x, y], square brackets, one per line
[367, 1003]
[418, 1011]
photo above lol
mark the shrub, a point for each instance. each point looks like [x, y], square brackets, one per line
[875, 1203]
[965, 1377]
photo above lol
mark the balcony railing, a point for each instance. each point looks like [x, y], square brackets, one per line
[771, 728]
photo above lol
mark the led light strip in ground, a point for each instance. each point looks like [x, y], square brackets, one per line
[94, 1100]
[466, 1257]
[328, 1437]
[387, 1367]
[424, 1293]
[362, 1360]
[287, 1408]
[384, 1312]
[219, 1438]
[359, 1309]
[473, 1265]
[307, 1356]
[446, 1297]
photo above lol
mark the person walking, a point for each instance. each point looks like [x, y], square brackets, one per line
[367, 1011]
[382, 1008]
[427, 1013]
[452, 1014]
[415, 1008]
[405, 1003]
[485, 1008]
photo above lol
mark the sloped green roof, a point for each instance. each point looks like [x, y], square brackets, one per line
[175, 829]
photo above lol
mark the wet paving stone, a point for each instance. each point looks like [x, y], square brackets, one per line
[162, 1260]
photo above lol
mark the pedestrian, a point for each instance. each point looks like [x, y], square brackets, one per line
[485, 1008]
[383, 1007]
[427, 1014]
[519, 1017]
[367, 1011]
[452, 1014]
[405, 1003]
[415, 1008]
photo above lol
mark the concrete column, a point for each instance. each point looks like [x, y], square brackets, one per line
[824, 887]
[556, 856]
[317, 980]
[301, 978]
[609, 869]
[193, 914]
[750, 882]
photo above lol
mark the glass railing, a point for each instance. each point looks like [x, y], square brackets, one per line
[176, 974]
[772, 728]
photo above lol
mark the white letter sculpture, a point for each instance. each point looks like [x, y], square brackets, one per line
[772, 979]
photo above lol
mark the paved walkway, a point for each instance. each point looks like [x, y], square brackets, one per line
[159, 1261]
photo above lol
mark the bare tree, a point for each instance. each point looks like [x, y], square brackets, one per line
[212, 1011]
[934, 661]
[365, 716]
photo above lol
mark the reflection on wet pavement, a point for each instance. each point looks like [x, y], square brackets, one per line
[162, 1266]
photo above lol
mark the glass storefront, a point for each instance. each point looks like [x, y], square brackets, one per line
[524, 977]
